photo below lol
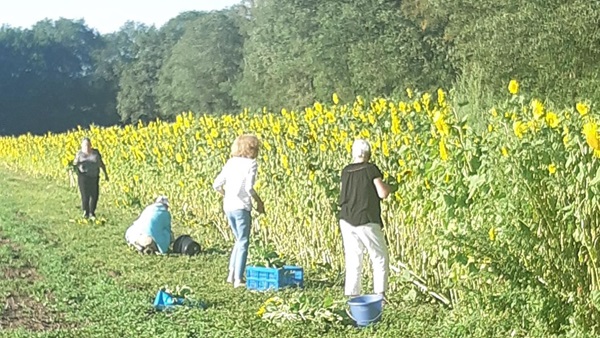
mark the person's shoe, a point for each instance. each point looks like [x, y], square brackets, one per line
[230, 278]
[92, 217]
[85, 215]
[239, 283]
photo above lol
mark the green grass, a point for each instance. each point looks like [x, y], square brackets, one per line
[62, 279]
[91, 284]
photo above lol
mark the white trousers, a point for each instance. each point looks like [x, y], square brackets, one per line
[137, 239]
[356, 240]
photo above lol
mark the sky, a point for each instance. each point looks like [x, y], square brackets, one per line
[106, 16]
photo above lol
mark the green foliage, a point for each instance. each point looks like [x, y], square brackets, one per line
[274, 54]
[92, 285]
[202, 68]
[331, 48]
[544, 44]
[277, 55]
[137, 98]
[473, 96]
[265, 255]
[302, 307]
[515, 219]
[48, 78]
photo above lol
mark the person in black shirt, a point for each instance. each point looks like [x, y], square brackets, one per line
[362, 189]
[88, 163]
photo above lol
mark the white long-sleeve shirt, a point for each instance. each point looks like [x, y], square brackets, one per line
[237, 179]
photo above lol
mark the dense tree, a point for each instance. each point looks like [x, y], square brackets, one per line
[384, 51]
[141, 59]
[551, 46]
[203, 67]
[174, 29]
[47, 77]
[301, 51]
[59, 74]
[137, 98]
[277, 61]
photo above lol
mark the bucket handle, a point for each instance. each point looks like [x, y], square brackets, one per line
[370, 321]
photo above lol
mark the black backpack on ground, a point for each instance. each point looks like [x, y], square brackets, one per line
[185, 245]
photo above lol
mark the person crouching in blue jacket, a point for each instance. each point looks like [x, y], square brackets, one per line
[151, 232]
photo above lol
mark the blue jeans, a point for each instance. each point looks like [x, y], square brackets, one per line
[240, 221]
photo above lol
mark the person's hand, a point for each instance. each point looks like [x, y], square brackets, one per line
[260, 207]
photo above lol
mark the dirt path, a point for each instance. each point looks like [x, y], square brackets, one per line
[20, 310]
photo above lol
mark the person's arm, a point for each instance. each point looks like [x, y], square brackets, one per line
[169, 231]
[76, 159]
[101, 165]
[220, 181]
[341, 197]
[383, 189]
[260, 206]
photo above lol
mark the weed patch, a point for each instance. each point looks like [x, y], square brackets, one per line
[21, 311]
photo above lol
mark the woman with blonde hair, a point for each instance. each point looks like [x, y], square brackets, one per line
[236, 183]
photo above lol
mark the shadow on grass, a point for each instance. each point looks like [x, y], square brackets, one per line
[214, 251]
[335, 281]
[194, 305]
[207, 252]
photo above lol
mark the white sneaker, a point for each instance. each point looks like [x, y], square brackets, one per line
[239, 283]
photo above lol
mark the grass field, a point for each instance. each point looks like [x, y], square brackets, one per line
[62, 279]
[496, 210]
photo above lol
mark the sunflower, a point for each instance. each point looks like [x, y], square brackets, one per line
[513, 87]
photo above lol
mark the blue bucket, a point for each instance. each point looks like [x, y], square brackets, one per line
[366, 309]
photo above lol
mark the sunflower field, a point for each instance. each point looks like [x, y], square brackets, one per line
[514, 200]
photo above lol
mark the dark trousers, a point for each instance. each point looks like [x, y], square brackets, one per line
[88, 187]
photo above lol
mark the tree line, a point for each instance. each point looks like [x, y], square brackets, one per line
[267, 53]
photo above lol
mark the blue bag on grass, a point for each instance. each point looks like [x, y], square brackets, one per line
[165, 300]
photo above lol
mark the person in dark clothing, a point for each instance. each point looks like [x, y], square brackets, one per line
[362, 189]
[88, 163]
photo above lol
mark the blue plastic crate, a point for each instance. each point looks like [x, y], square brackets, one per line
[261, 279]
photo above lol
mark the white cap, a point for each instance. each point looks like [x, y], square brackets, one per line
[360, 149]
[162, 199]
